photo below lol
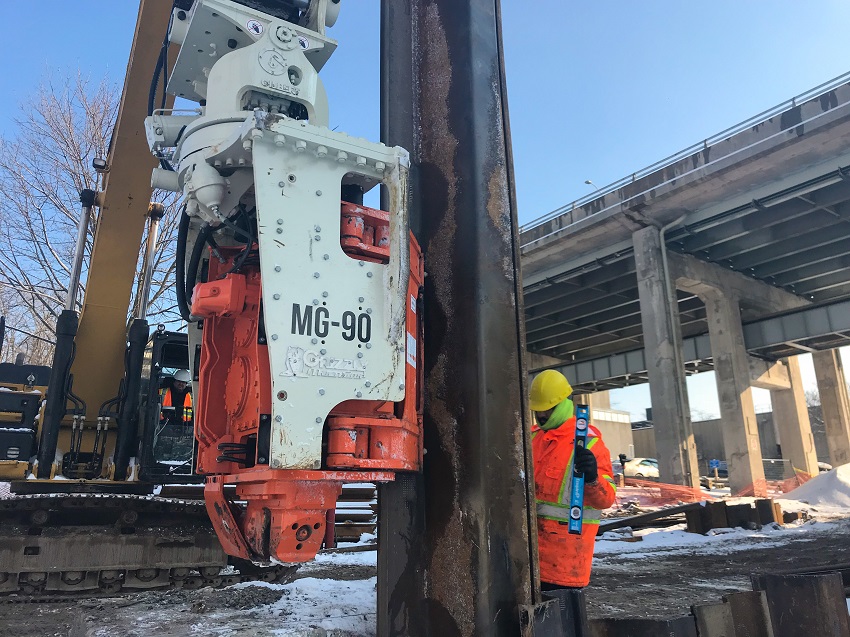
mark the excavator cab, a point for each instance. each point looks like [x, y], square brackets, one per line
[167, 449]
[22, 389]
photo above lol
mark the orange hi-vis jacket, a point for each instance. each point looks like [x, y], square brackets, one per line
[188, 413]
[565, 559]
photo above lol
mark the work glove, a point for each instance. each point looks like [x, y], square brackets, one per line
[585, 462]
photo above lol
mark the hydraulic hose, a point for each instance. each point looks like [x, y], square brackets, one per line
[128, 410]
[195, 259]
[180, 266]
[55, 407]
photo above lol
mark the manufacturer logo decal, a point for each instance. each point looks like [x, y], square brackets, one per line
[272, 62]
[304, 363]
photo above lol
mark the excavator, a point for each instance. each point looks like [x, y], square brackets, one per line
[302, 311]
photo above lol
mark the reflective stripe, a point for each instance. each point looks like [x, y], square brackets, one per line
[564, 492]
[562, 513]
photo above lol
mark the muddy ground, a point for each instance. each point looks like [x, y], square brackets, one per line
[666, 584]
[250, 611]
[660, 583]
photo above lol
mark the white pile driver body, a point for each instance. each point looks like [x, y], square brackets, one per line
[242, 148]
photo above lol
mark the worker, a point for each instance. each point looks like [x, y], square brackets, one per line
[178, 397]
[565, 559]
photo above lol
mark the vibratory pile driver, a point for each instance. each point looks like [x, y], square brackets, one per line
[302, 303]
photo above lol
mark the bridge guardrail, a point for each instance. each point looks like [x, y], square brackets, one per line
[690, 150]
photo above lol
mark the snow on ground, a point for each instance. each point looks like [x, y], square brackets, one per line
[830, 489]
[311, 606]
[323, 560]
[675, 540]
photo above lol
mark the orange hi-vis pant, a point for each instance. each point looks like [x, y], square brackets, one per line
[566, 559]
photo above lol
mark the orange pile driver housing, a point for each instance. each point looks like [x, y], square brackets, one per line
[280, 514]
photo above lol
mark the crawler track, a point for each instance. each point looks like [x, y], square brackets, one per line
[53, 546]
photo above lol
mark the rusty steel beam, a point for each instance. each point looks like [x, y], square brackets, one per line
[458, 548]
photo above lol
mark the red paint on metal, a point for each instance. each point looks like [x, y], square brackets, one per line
[282, 514]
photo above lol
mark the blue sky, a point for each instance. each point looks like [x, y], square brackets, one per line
[597, 90]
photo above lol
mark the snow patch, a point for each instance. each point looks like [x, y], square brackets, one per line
[675, 540]
[830, 489]
[310, 604]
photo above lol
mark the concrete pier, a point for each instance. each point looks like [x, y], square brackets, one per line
[732, 370]
[832, 387]
[791, 417]
[662, 333]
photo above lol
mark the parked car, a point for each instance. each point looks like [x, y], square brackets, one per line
[641, 468]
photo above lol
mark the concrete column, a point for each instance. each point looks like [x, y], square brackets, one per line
[834, 401]
[791, 416]
[599, 400]
[662, 335]
[738, 416]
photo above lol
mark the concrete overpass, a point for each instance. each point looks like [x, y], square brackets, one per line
[752, 222]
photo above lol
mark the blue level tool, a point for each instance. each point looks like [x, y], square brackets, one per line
[577, 486]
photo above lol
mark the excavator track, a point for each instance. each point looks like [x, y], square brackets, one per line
[56, 546]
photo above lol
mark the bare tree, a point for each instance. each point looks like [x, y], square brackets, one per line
[44, 164]
[812, 398]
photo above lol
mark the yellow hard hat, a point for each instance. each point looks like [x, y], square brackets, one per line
[548, 389]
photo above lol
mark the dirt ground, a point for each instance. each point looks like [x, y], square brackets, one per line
[246, 612]
[657, 583]
[666, 584]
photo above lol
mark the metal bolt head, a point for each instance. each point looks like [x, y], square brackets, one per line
[318, 228]
[318, 419]
[368, 345]
[369, 275]
[317, 238]
[281, 395]
[281, 184]
[360, 299]
[277, 268]
[321, 392]
[361, 263]
[323, 351]
[315, 275]
[359, 354]
[280, 230]
[325, 294]
[315, 301]
[368, 384]
[359, 394]
[326, 256]
[278, 418]
[368, 310]
[276, 297]
[280, 221]
[274, 337]
[318, 193]
[401, 385]
[314, 340]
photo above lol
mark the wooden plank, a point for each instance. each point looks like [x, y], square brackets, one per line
[768, 511]
[618, 523]
[805, 604]
[711, 515]
[741, 515]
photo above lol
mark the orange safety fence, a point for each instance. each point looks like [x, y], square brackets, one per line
[652, 493]
[774, 488]
[645, 493]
